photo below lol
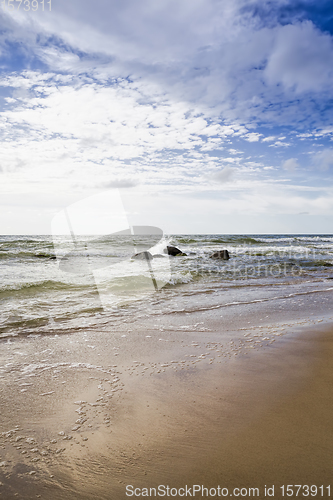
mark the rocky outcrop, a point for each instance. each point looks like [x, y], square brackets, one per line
[142, 256]
[174, 251]
[221, 254]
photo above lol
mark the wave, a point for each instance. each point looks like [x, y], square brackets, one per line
[50, 324]
[211, 240]
[12, 254]
[316, 263]
[238, 239]
[27, 323]
[41, 286]
[186, 240]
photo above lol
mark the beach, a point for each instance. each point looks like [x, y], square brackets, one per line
[166, 249]
[221, 397]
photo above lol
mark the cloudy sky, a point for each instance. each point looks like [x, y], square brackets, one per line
[210, 116]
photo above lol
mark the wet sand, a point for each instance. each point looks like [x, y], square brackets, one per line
[84, 415]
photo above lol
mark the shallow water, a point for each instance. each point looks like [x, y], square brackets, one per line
[50, 285]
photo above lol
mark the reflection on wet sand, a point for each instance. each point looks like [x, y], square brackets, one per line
[85, 415]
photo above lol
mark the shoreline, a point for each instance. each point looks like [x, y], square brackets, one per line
[219, 412]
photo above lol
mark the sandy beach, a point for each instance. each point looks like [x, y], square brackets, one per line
[171, 401]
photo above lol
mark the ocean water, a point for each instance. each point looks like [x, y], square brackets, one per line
[48, 285]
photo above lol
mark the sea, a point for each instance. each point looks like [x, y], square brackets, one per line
[52, 285]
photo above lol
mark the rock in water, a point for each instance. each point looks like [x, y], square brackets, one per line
[174, 251]
[142, 256]
[221, 254]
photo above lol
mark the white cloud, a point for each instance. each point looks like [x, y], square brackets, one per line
[302, 59]
[72, 131]
[291, 164]
[252, 137]
[270, 138]
[304, 135]
[205, 53]
[225, 175]
[279, 144]
[119, 183]
[324, 159]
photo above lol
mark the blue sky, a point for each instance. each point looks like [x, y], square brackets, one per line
[210, 116]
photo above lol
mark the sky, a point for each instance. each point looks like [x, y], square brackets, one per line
[208, 116]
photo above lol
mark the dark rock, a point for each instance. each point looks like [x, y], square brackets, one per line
[174, 251]
[221, 254]
[53, 257]
[142, 256]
